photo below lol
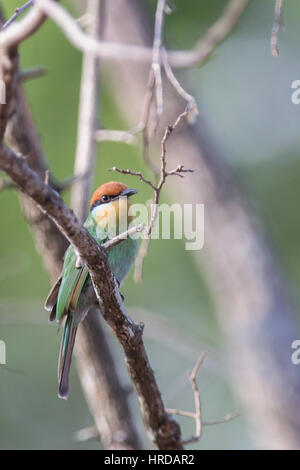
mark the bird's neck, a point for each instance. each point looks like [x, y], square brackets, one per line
[113, 217]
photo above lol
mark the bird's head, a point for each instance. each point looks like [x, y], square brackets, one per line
[109, 204]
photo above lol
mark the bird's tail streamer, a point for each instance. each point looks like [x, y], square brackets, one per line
[65, 356]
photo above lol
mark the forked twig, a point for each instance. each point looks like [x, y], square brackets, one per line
[197, 415]
[161, 174]
[191, 102]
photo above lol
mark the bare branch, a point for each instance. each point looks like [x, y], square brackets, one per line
[277, 26]
[187, 414]
[216, 34]
[47, 176]
[144, 125]
[87, 434]
[18, 32]
[17, 13]
[157, 44]
[161, 174]
[197, 415]
[87, 119]
[107, 135]
[191, 102]
[225, 419]
[34, 72]
[68, 182]
[123, 236]
[138, 273]
[102, 386]
[109, 50]
[134, 173]
[115, 420]
[164, 432]
[87, 44]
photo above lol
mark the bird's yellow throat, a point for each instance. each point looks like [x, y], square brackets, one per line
[113, 217]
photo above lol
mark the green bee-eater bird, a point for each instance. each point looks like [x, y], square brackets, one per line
[73, 294]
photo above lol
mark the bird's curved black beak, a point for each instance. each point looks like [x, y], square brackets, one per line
[128, 192]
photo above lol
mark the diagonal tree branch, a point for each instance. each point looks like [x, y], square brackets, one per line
[105, 394]
[161, 428]
[97, 368]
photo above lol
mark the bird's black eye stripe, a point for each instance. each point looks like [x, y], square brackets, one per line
[97, 203]
[103, 200]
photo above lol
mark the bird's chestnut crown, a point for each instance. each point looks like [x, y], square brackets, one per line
[110, 191]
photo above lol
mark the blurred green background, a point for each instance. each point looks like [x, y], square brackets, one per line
[245, 97]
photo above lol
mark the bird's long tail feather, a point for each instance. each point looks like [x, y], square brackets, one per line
[65, 356]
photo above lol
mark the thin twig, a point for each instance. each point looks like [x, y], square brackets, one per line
[187, 414]
[107, 135]
[191, 102]
[87, 434]
[34, 72]
[84, 20]
[277, 26]
[23, 29]
[122, 236]
[87, 119]
[47, 176]
[113, 242]
[216, 34]
[162, 173]
[197, 415]
[191, 414]
[225, 419]
[68, 182]
[144, 125]
[154, 84]
[134, 173]
[156, 62]
[18, 12]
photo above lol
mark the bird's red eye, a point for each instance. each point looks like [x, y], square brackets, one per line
[105, 198]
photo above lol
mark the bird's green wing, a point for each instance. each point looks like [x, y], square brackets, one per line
[73, 278]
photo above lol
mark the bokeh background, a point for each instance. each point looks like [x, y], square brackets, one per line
[245, 97]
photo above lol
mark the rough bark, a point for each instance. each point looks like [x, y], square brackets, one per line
[161, 428]
[115, 424]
